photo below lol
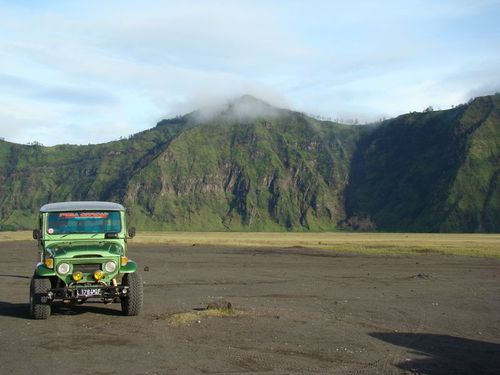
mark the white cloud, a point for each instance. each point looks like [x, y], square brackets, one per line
[95, 69]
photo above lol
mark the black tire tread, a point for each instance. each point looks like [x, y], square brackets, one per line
[132, 304]
[39, 286]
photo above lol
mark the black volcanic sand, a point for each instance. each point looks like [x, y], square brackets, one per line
[296, 311]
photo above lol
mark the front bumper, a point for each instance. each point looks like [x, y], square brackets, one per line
[75, 293]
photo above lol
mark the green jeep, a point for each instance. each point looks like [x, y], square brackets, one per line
[83, 257]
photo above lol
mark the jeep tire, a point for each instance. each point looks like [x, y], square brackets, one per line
[132, 303]
[39, 306]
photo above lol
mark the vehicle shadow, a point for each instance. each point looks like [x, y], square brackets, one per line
[17, 276]
[445, 354]
[21, 310]
[15, 310]
[86, 308]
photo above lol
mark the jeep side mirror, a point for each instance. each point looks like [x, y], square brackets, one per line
[131, 232]
[37, 234]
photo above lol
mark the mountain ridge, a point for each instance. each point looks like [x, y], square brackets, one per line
[247, 165]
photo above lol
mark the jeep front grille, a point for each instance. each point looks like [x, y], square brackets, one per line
[86, 268]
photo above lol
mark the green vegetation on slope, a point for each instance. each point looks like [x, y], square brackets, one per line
[433, 171]
[285, 172]
[474, 197]
[252, 167]
[33, 175]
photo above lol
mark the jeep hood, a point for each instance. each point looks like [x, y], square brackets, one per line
[71, 249]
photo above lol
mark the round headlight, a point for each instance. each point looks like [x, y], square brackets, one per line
[63, 268]
[110, 266]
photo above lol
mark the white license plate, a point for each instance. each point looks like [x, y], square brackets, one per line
[88, 292]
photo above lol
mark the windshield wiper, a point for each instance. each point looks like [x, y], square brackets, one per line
[67, 234]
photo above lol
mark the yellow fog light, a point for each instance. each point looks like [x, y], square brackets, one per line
[123, 260]
[98, 275]
[77, 276]
[49, 262]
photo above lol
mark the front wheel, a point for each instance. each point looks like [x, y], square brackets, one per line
[132, 303]
[39, 306]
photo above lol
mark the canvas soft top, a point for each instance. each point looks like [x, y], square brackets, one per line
[82, 206]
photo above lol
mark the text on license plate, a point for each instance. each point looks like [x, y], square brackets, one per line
[88, 292]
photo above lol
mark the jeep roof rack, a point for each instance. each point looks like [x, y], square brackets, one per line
[82, 206]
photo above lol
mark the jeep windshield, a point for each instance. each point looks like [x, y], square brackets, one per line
[84, 222]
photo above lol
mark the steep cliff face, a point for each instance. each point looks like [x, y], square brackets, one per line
[474, 198]
[435, 171]
[250, 166]
[273, 173]
[33, 175]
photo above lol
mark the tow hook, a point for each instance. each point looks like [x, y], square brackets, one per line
[49, 297]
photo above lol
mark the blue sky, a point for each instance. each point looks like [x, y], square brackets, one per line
[92, 71]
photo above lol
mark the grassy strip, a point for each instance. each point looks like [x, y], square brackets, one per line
[484, 245]
[16, 236]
